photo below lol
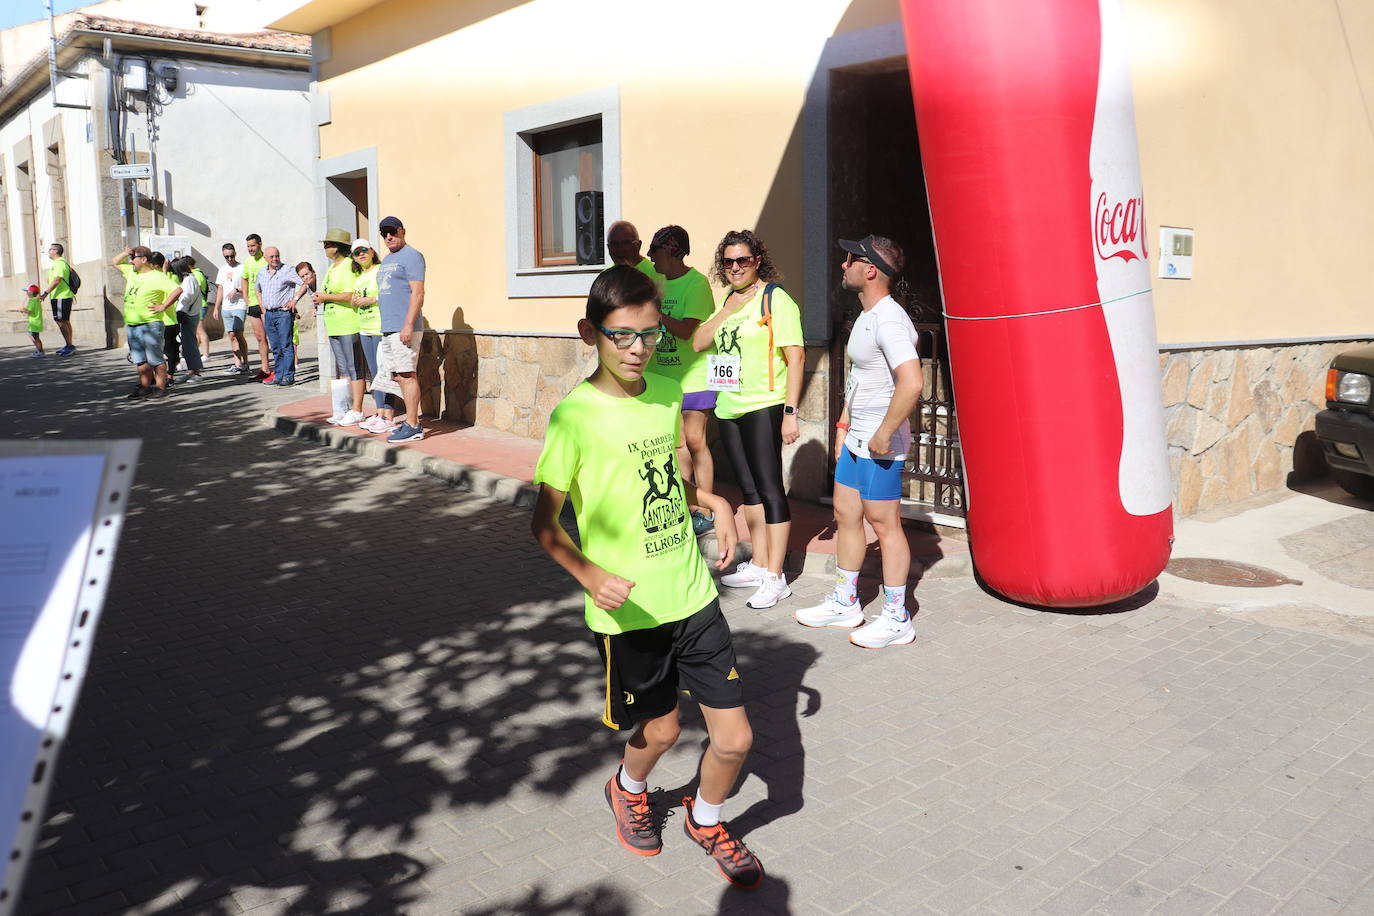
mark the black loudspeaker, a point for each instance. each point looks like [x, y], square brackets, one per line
[589, 209]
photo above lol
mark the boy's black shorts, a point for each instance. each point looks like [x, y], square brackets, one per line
[646, 668]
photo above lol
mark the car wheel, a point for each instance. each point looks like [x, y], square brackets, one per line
[1360, 485]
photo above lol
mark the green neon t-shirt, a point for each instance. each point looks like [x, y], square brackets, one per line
[60, 268]
[339, 317]
[369, 316]
[688, 296]
[149, 288]
[34, 309]
[615, 459]
[169, 314]
[251, 267]
[743, 336]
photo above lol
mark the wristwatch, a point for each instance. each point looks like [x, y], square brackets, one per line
[789, 410]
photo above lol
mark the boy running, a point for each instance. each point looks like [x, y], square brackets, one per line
[34, 312]
[650, 601]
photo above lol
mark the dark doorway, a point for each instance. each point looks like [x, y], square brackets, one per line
[876, 185]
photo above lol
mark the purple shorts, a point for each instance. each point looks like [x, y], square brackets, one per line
[699, 400]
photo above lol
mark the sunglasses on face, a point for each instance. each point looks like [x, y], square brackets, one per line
[855, 259]
[388, 233]
[358, 251]
[742, 262]
[624, 338]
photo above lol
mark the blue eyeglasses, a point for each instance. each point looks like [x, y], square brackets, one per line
[624, 339]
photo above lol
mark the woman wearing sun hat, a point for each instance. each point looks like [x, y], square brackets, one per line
[335, 295]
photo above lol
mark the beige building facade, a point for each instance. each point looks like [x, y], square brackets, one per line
[481, 124]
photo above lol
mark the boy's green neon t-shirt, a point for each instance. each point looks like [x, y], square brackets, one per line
[742, 335]
[34, 308]
[615, 458]
[339, 318]
[369, 316]
[60, 268]
[688, 296]
[251, 268]
[169, 314]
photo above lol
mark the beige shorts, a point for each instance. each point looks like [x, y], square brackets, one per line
[392, 357]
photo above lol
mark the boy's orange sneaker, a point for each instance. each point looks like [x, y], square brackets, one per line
[633, 820]
[739, 866]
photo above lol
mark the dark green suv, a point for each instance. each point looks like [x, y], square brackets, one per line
[1346, 427]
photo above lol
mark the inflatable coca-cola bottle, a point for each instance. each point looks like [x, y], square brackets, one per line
[1028, 144]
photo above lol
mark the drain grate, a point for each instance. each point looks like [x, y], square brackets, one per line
[1227, 572]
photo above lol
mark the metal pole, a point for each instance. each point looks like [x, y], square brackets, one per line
[52, 50]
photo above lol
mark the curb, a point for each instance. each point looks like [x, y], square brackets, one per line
[491, 485]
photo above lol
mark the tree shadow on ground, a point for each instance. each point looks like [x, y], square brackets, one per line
[311, 665]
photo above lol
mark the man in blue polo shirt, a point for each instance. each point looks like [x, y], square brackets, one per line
[400, 298]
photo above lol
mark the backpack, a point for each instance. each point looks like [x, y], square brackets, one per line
[73, 279]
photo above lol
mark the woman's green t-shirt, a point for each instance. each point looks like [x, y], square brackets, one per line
[369, 316]
[340, 318]
[615, 458]
[741, 335]
[685, 297]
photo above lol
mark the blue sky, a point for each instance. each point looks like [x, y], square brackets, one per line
[13, 12]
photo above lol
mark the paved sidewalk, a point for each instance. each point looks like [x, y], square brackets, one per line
[324, 685]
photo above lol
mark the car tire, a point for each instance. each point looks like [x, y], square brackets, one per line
[1360, 485]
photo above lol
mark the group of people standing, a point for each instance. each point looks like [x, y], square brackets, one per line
[666, 356]
[370, 308]
[744, 360]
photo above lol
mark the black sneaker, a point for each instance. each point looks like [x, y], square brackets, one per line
[137, 394]
[633, 821]
[156, 394]
[739, 866]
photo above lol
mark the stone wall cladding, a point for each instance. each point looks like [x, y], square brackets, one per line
[1233, 417]
[513, 384]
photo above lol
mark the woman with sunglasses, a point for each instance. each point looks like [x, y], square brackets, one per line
[370, 332]
[341, 321]
[756, 372]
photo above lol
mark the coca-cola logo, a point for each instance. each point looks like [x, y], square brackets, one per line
[1119, 228]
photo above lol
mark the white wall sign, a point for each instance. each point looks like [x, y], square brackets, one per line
[1175, 253]
[171, 246]
[64, 505]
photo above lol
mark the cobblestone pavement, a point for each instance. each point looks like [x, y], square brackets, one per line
[322, 685]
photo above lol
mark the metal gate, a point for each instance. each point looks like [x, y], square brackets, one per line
[934, 468]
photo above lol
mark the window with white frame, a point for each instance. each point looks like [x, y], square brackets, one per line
[562, 167]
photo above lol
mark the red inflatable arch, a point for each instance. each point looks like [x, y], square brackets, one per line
[1029, 150]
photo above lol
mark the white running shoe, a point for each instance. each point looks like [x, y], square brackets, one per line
[333, 419]
[884, 630]
[770, 591]
[745, 574]
[351, 418]
[832, 612]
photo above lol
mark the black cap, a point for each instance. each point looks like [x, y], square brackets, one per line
[390, 222]
[864, 249]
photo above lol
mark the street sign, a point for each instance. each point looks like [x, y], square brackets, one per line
[144, 170]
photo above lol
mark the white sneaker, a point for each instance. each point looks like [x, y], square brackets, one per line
[333, 419]
[351, 418]
[770, 591]
[832, 612]
[193, 379]
[745, 574]
[884, 630]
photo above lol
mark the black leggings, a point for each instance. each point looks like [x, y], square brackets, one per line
[754, 443]
[171, 345]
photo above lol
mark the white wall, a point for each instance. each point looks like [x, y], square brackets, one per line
[79, 153]
[234, 154]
